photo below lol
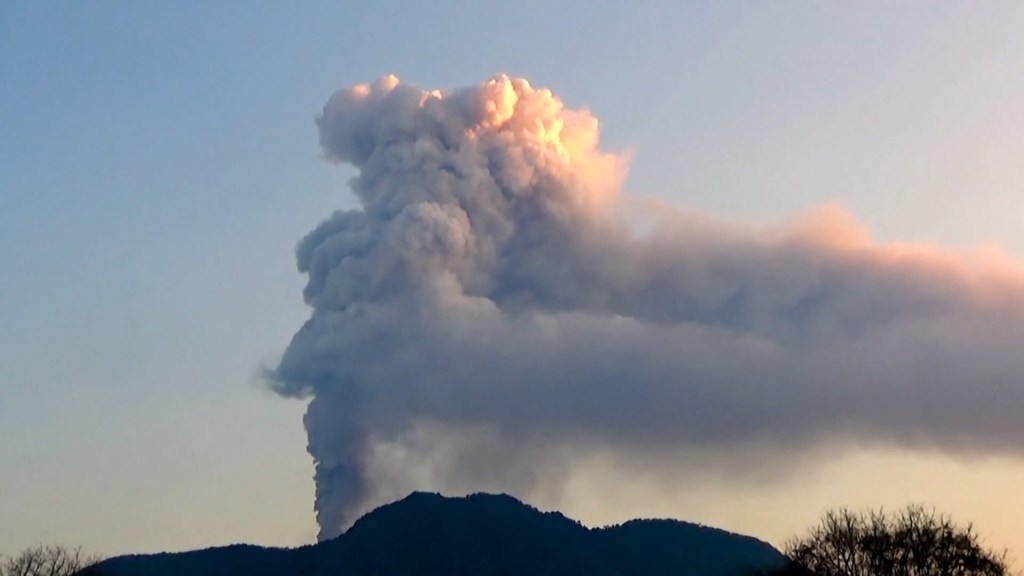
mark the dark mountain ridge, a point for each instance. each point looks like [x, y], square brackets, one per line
[482, 534]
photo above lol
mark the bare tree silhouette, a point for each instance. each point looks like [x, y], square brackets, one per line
[48, 560]
[915, 541]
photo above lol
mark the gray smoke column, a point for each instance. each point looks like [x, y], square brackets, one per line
[496, 305]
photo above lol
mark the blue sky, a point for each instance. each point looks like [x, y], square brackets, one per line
[159, 163]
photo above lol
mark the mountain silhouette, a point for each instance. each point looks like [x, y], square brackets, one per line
[483, 534]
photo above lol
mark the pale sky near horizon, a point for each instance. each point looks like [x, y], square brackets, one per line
[159, 163]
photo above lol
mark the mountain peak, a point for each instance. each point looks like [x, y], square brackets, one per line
[430, 534]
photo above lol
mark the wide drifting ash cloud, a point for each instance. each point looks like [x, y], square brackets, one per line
[496, 296]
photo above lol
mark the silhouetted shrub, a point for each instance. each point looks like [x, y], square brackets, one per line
[912, 542]
[50, 560]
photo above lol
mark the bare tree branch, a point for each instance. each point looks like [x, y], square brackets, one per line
[916, 541]
[49, 560]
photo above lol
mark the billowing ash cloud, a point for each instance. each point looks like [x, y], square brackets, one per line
[495, 306]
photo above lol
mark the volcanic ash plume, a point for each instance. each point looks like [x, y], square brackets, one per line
[493, 309]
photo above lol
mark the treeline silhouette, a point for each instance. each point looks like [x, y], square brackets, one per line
[914, 541]
[428, 535]
[48, 560]
[496, 535]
